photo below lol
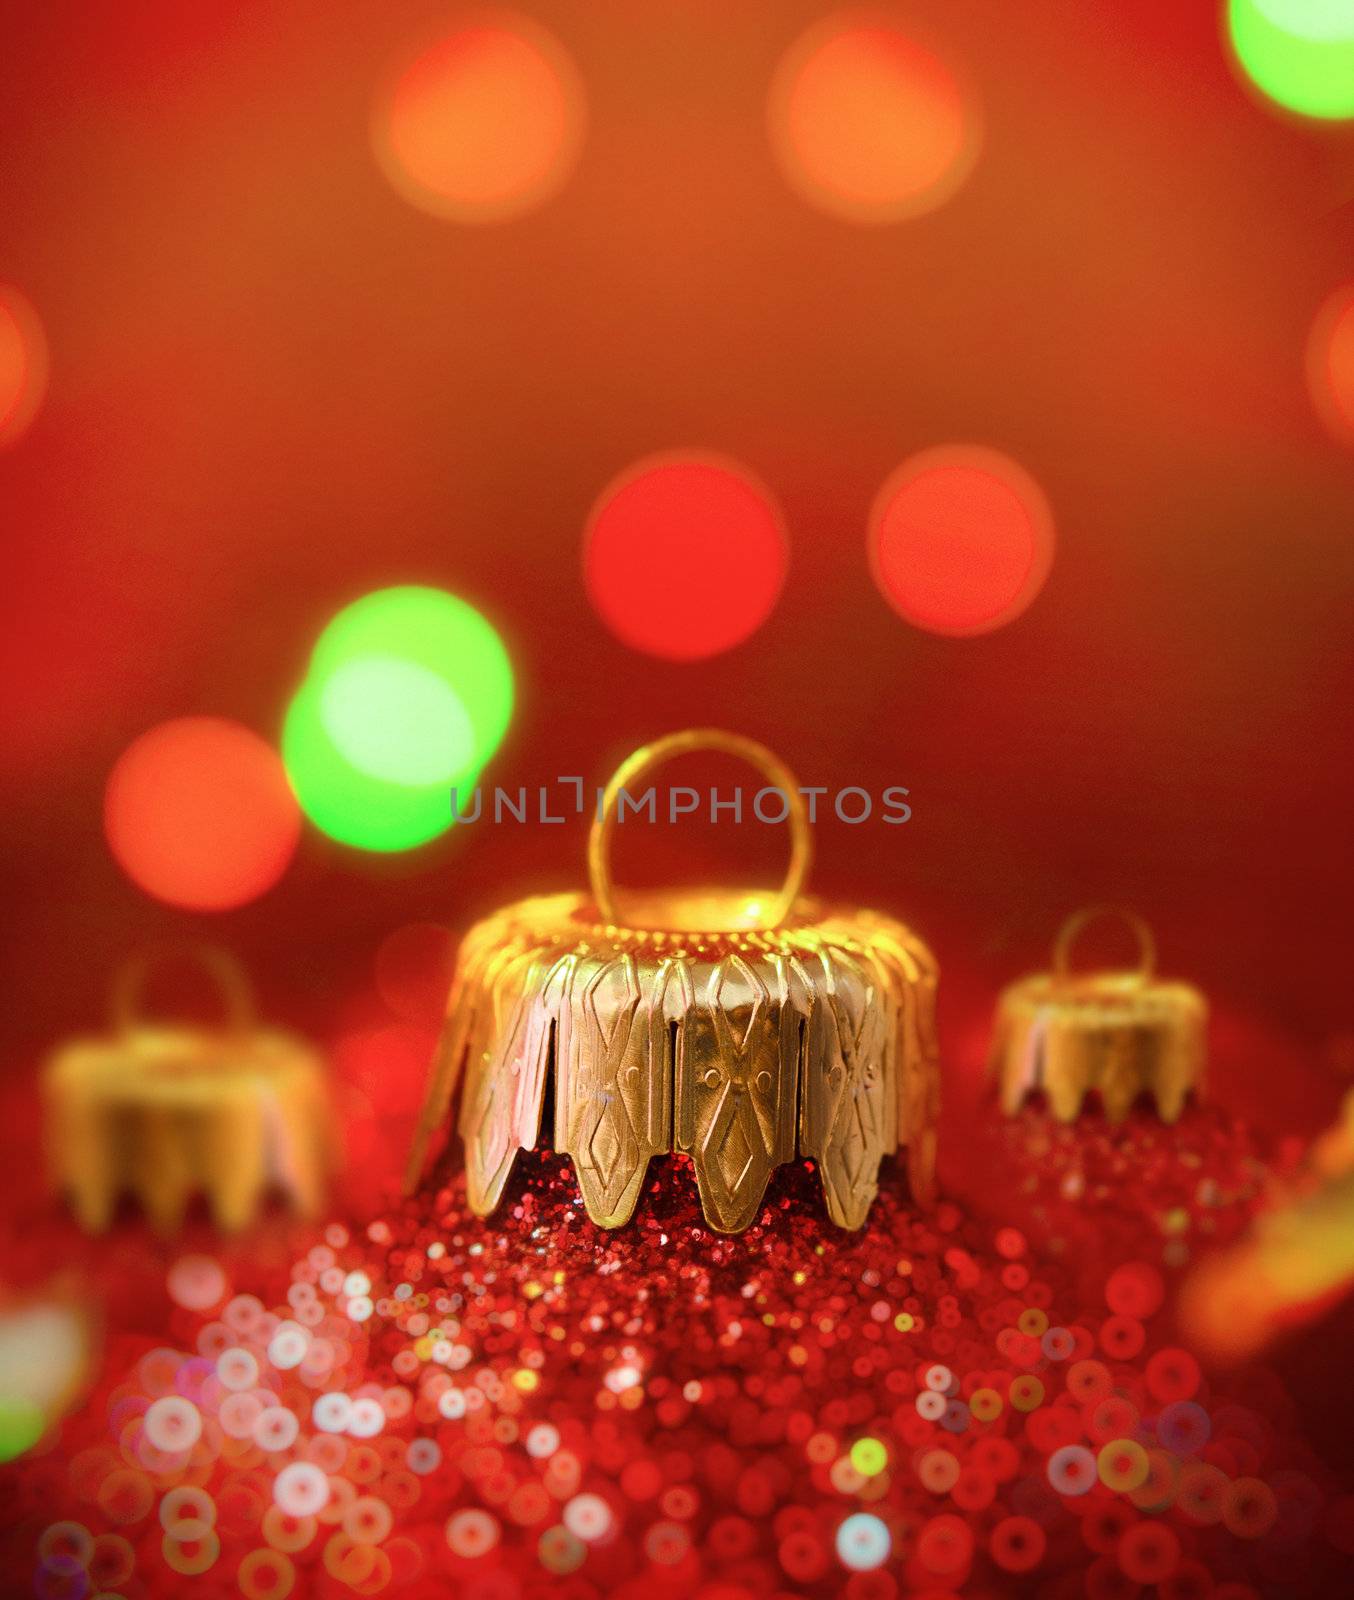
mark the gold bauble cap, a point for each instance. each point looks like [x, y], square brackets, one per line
[1119, 1033]
[742, 1028]
[168, 1111]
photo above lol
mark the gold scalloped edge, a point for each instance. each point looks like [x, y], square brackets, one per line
[164, 1117]
[741, 1050]
[1120, 1037]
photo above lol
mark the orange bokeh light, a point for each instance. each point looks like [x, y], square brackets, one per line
[685, 555]
[960, 540]
[1330, 363]
[870, 124]
[198, 812]
[23, 363]
[484, 124]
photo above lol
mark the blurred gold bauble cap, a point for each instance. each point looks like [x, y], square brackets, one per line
[1117, 1033]
[168, 1111]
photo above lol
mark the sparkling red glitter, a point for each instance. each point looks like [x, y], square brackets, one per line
[531, 1406]
[1142, 1197]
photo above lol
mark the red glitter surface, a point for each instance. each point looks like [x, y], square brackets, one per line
[536, 1406]
[1094, 1195]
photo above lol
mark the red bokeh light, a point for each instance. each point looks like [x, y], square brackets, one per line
[870, 124]
[198, 812]
[484, 124]
[23, 363]
[388, 1064]
[685, 556]
[413, 971]
[961, 540]
[1330, 363]
[380, 1073]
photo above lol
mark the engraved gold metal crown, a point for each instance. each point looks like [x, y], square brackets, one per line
[741, 1028]
[1119, 1033]
[165, 1112]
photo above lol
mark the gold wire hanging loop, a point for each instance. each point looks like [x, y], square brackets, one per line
[667, 748]
[232, 984]
[1079, 921]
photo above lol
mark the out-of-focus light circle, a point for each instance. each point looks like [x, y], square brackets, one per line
[1330, 363]
[870, 124]
[685, 555]
[445, 637]
[197, 1283]
[22, 1424]
[347, 804]
[23, 363]
[484, 124]
[388, 1064]
[863, 1542]
[1310, 19]
[414, 965]
[395, 720]
[960, 540]
[173, 1423]
[301, 1489]
[869, 1457]
[198, 812]
[1300, 53]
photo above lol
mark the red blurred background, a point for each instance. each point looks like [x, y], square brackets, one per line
[276, 385]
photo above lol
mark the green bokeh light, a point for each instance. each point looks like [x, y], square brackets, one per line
[1298, 52]
[350, 805]
[22, 1424]
[394, 720]
[438, 632]
[869, 1457]
[1312, 19]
